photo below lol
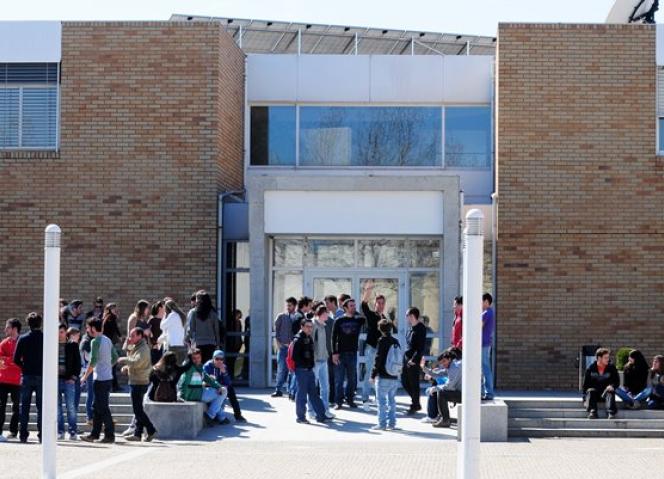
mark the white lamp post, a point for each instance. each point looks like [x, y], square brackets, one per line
[468, 457]
[50, 361]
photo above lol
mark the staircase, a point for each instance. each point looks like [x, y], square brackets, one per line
[565, 416]
[120, 409]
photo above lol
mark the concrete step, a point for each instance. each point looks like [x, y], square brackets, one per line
[582, 423]
[115, 409]
[84, 428]
[119, 418]
[544, 403]
[580, 413]
[549, 432]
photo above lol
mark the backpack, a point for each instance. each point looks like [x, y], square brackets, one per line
[394, 360]
[290, 362]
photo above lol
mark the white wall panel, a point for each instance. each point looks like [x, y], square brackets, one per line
[366, 212]
[660, 44]
[468, 79]
[30, 42]
[334, 78]
[406, 78]
[271, 78]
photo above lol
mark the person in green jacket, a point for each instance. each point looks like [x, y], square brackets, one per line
[138, 365]
[196, 385]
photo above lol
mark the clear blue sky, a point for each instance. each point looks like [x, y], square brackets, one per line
[454, 16]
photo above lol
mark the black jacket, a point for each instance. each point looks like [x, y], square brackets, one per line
[72, 362]
[416, 338]
[636, 379]
[384, 345]
[599, 382]
[29, 353]
[303, 351]
[372, 318]
[345, 334]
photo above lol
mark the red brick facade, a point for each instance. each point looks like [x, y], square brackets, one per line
[581, 227]
[151, 131]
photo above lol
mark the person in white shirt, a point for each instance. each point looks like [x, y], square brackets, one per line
[172, 331]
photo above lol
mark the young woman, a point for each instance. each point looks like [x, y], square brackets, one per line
[386, 383]
[154, 330]
[654, 393]
[138, 319]
[203, 331]
[74, 337]
[164, 378]
[111, 330]
[172, 331]
[636, 378]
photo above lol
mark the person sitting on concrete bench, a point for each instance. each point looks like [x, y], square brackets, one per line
[438, 376]
[600, 382]
[216, 367]
[449, 391]
[164, 378]
[196, 385]
[653, 395]
[635, 381]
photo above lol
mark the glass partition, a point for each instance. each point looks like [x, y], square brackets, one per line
[273, 135]
[468, 137]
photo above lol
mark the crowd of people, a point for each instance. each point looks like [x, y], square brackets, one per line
[167, 356]
[317, 358]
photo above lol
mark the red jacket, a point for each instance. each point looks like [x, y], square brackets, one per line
[457, 330]
[10, 373]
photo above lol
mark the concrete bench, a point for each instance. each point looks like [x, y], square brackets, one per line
[494, 421]
[176, 420]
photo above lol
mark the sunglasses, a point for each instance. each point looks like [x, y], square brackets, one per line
[218, 359]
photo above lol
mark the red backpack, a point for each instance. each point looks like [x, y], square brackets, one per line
[290, 362]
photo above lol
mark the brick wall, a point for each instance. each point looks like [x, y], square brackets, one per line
[147, 140]
[581, 245]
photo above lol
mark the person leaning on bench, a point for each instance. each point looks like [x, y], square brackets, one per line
[600, 382]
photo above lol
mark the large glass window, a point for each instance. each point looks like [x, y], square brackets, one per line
[273, 135]
[331, 253]
[468, 137]
[660, 148]
[425, 295]
[370, 136]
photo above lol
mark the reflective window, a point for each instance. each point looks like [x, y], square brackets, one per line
[661, 135]
[370, 136]
[425, 295]
[284, 285]
[468, 137]
[273, 135]
[383, 253]
[288, 252]
[331, 253]
[425, 253]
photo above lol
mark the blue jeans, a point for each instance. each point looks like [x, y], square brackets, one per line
[67, 391]
[215, 402]
[77, 394]
[282, 370]
[487, 372]
[306, 389]
[386, 391]
[322, 378]
[30, 384]
[89, 399]
[345, 370]
[369, 360]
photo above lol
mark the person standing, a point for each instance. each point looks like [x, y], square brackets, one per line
[29, 356]
[371, 343]
[111, 329]
[85, 350]
[345, 335]
[322, 344]
[303, 356]
[157, 313]
[488, 327]
[172, 331]
[415, 343]
[69, 368]
[10, 378]
[73, 314]
[138, 365]
[138, 319]
[457, 324]
[283, 325]
[600, 382]
[233, 341]
[98, 310]
[102, 358]
[332, 307]
[386, 383]
[203, 328]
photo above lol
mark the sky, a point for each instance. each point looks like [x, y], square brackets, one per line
[471, 17]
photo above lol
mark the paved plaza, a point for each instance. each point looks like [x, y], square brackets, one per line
[272, 443]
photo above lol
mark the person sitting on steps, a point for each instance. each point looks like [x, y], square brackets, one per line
[600, 382]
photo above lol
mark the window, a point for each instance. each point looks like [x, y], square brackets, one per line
[660, 132]
[370, 136]
[28, 105]
[273, 135]
[468, 137]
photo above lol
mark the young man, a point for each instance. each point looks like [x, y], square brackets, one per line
[345, 335]
[457, 324]
[371, 343]
[217, 368]
[332, 308]
[416, 336]
[322, 350]
[283, 328]
[303, 312]
[74, 315]
[10, 377]
[600, 382]
[197, 385]
[98, 310]
[28, 357]
[488, 327]
[343, 297]
[85, 350]
[69, 368]
[102, 358]
[451, 390]
[303, 356]
[138, 365]
[386, 383]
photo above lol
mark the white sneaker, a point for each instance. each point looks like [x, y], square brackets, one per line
[365, 406]
[61, 436]
[3, 439]
[329, 415]
[428, 420]
[128, 432]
